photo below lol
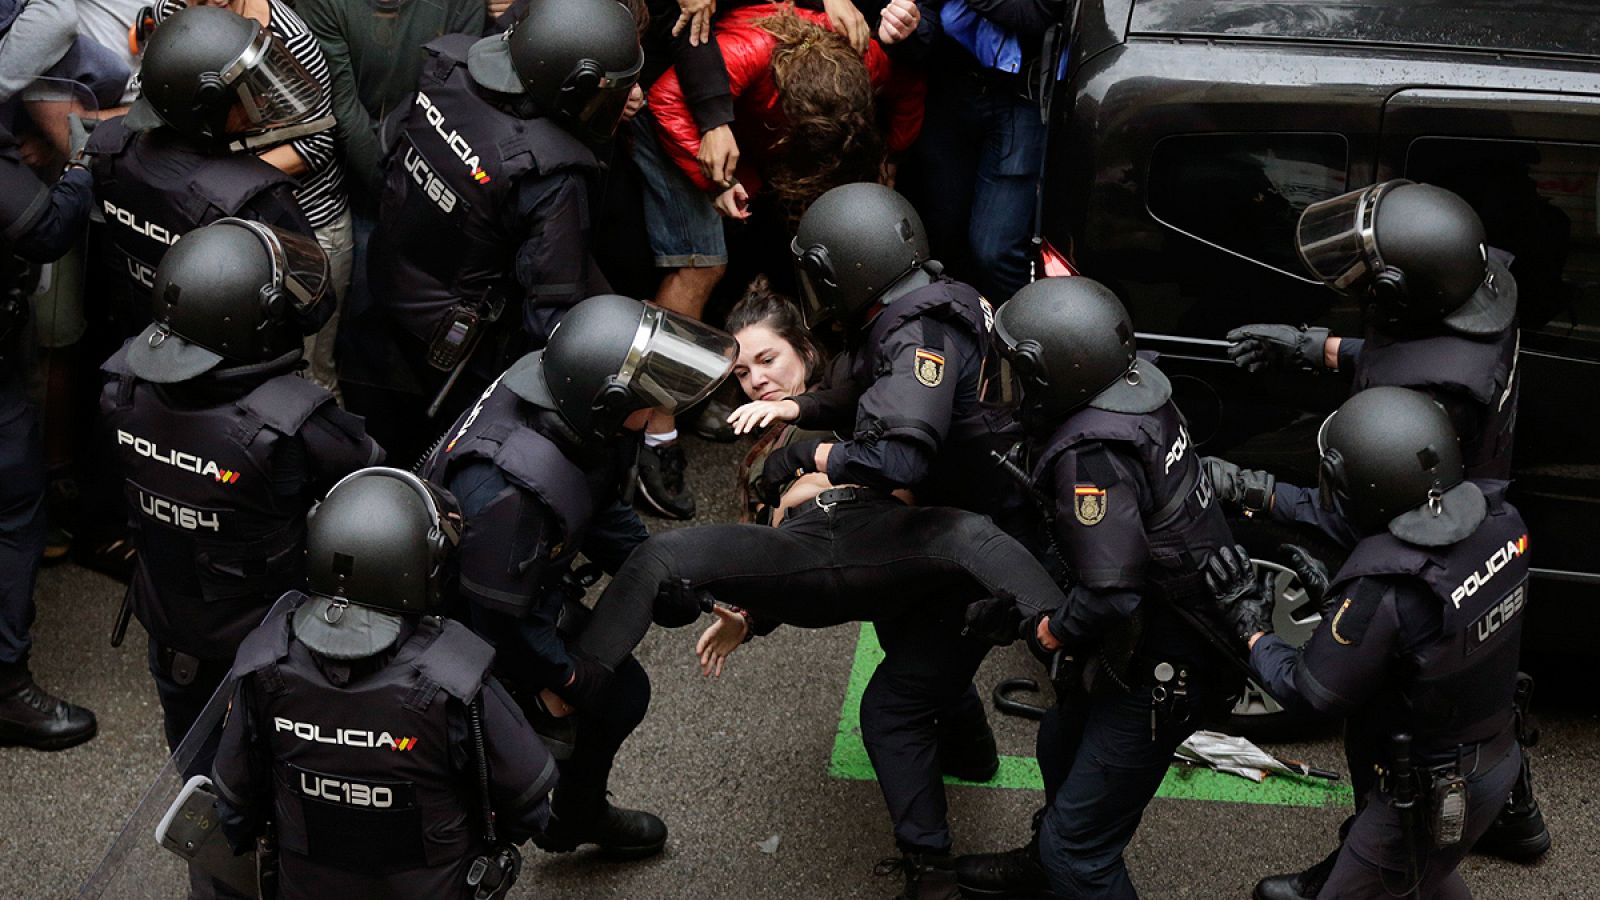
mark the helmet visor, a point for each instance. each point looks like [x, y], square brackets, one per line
[1330, 469]
[813, 269]
[675, 361]
[1337, 241]
[299, 266]
[273, 87]
[599, 109]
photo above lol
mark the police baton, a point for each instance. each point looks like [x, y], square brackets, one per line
[119, 629]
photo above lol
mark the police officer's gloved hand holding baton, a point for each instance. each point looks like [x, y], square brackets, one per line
[1257, 347]
[995, 620]
[1244, 491]
[1232, 580]
[589, 678]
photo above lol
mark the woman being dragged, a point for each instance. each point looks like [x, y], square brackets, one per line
[837, 554]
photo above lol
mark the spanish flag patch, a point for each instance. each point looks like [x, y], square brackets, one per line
[929, 367]
[1089, 504]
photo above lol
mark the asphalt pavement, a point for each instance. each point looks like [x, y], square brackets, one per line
[758, 775]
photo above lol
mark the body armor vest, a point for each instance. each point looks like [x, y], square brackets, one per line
[963, 474]
[217, 544]
[1457, 688]
[364, 783]
[448, 214]
[1182, 521]
[154, 188]
[497, 430]
[1485, 371]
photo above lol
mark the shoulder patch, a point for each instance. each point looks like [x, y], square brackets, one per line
[1355, 612]
[929, 367]
[1088, 504]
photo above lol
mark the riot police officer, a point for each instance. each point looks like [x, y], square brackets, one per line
[1440, 310]
[366, 728]
[215, 85]
[1420, 654]
[222, 446]
[38, 224]
[1441, 318]
[539, 464]
[483, 230]
[1133, 520]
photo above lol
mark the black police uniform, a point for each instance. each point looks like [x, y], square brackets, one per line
[916, 383]
[155, 187]
[1134, 517]
[481, 209]
[367, 768]
[219, 473]
[1474, 379]
[38, 224]
[1425, 641]
[533, 497]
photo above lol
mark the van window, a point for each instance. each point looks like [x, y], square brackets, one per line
[1245, 192]
[1537, 201]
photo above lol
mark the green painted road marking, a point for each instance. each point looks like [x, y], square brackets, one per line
[850, 760]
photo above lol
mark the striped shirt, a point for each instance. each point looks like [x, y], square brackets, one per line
[321, 192]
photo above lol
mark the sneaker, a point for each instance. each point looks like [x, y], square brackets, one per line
[929, 876]
[661, 481]
[711, 423]
[619, 833]
[31, 717]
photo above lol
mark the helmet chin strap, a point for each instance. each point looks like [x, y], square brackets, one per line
[280, 135]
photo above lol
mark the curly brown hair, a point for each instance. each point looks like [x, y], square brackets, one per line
[826, 95]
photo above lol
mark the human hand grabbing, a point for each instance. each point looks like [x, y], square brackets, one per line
[720, 639]
[899, 21]
[761, 413]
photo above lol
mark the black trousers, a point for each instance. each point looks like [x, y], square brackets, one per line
[22, 523]
[867, 560]
[920, 694]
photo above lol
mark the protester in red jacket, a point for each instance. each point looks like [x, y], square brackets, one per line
[809, 112]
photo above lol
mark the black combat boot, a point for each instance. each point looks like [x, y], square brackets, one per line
[969, 753]
[32, 717]
[1298, 885]
[929, 876]
[620, 833]
[1519, 834]
[1014, 873]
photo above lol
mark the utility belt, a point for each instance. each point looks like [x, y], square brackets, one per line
[1021, 85]
[1432, 799]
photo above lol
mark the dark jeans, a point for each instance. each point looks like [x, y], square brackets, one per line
[601, 729]
[22, 523]
[1372, 865]
[974, 175]
[921, 691]
[1101, 767]
[866, 560]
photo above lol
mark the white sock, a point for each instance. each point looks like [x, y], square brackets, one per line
[656, 440]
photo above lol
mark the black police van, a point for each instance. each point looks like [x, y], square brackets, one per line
[1188, 137]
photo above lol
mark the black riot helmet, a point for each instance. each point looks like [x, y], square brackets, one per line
[1391, 460]
[575, 59]
[612, 355]
[1417, 250]
[234, 291]
[202, 61]
[1070, 342]
[381, 543]
[855, 243]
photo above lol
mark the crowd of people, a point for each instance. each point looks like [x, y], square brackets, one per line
[510, 249]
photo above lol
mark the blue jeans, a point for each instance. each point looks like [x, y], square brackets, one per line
[974, 176]
[685, 230]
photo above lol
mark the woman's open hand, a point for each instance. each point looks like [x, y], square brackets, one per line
[720, 638]
[761, 413]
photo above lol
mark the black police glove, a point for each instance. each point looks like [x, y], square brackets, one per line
[1312, 573]
[993, 620]
[588, 681]
[1257, 347]
[1247, 491]
[1237, 592]
[680, 603]
[783, 466]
